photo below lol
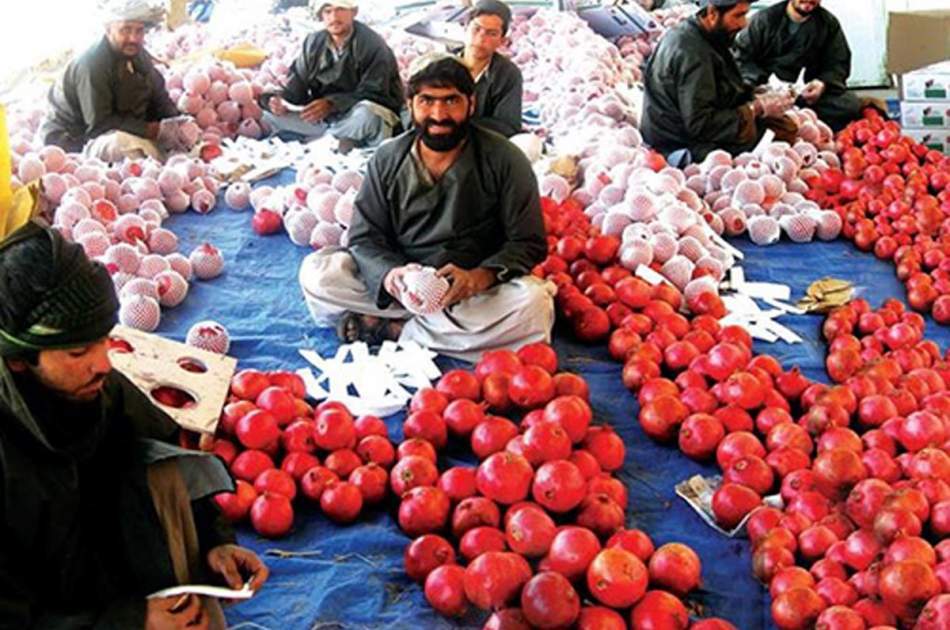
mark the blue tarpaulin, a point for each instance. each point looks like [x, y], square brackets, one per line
[327, 576]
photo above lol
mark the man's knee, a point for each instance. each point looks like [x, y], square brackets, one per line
[537, 301]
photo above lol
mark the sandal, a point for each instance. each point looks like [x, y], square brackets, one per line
[372, 330]
[354, 327]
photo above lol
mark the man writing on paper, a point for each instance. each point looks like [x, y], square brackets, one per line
[98, 508]
[111, 100]
[498, 82]
[695, 99]
[345, 83]
[797, 35]
[447, 195]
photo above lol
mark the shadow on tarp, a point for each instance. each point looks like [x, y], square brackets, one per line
[325, 576]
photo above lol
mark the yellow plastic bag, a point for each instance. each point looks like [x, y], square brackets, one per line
[16, 208]
[242, 56]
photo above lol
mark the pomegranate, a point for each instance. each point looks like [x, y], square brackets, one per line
[797, 609]
[549, 601]
[445, 590]
[272, 515]
[474, 512]
[558, 485]
[495, 578]
[424, 554]
[659, 609]
[530, 532]
[571, 552]
[617, 578]
[479, 540]
[731, 502]
[676, 567]
[906, 586]
[700, 435]
[411, 472]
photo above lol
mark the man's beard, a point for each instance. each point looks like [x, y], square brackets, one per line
[803, 11]
[721, 36]
[443, 142]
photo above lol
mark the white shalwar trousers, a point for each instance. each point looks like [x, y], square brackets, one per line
[509, 315]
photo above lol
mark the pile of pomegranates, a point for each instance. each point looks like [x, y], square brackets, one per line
[278, 448]
[893, 195]
[536, 529]
[597, 295]
[861, 465]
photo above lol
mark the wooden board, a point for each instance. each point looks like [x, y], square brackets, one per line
[153, 362]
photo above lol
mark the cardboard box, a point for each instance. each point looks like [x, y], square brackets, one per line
[916, 39]
[925, 115]
[927, 84]
[938, 139]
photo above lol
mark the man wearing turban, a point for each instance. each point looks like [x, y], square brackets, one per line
[345, 82]
[111, 100]
[98, 508]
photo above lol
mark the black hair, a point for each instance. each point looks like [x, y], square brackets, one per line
[482, 11]
[444, 73]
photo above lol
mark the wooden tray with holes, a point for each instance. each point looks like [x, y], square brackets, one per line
[189, 384]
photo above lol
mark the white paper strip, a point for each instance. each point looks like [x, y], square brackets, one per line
[314, 389]
[645, 273]
[205, 591]
[785, 306]
[764, 290]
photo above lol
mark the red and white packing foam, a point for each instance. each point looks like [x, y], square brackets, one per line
[178, 262]
[326, 234]
[70, 214]
[209, 335]
[749, 192]
[343, 210]
[829, 224]
[88, 226]
[162, 241]
[635, 253]
[690, 247]
[172, 288]
[678, 270]
[347, 180]
[423, 291]
[238, 196]
[323, 203]
[713, 265]
[700, 285]
[642, 206]
[555, 187]
[139, 286]
[764, 230]
[95, 244]
[125, 257]
[130, 228]
[800, 228]
[664, 246]
[152, 265]
[140, 312]
[299, 226]
[206, 261]
[733, 220]
[202, 201]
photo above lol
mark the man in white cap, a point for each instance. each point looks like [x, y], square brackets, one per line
[345, 83]
[110, 100]
[695, 99]
[498, 81]
[452, 197]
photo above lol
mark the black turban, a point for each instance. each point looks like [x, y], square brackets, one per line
[51, 295]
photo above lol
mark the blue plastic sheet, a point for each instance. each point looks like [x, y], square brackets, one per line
[326, 576]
